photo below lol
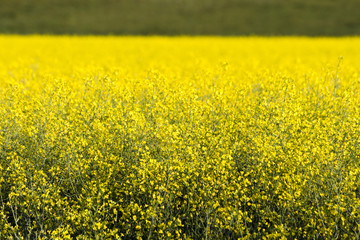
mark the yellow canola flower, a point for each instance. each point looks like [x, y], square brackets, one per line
[179, 137]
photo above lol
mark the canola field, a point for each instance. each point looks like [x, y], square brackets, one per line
[179, 138]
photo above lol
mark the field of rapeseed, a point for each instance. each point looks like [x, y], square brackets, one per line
[179, 138]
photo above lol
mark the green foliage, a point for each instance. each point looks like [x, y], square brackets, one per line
[181, 17]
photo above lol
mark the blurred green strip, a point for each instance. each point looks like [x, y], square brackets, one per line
[181, 17]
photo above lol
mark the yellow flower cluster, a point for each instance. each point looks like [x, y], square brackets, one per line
[179, 138]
